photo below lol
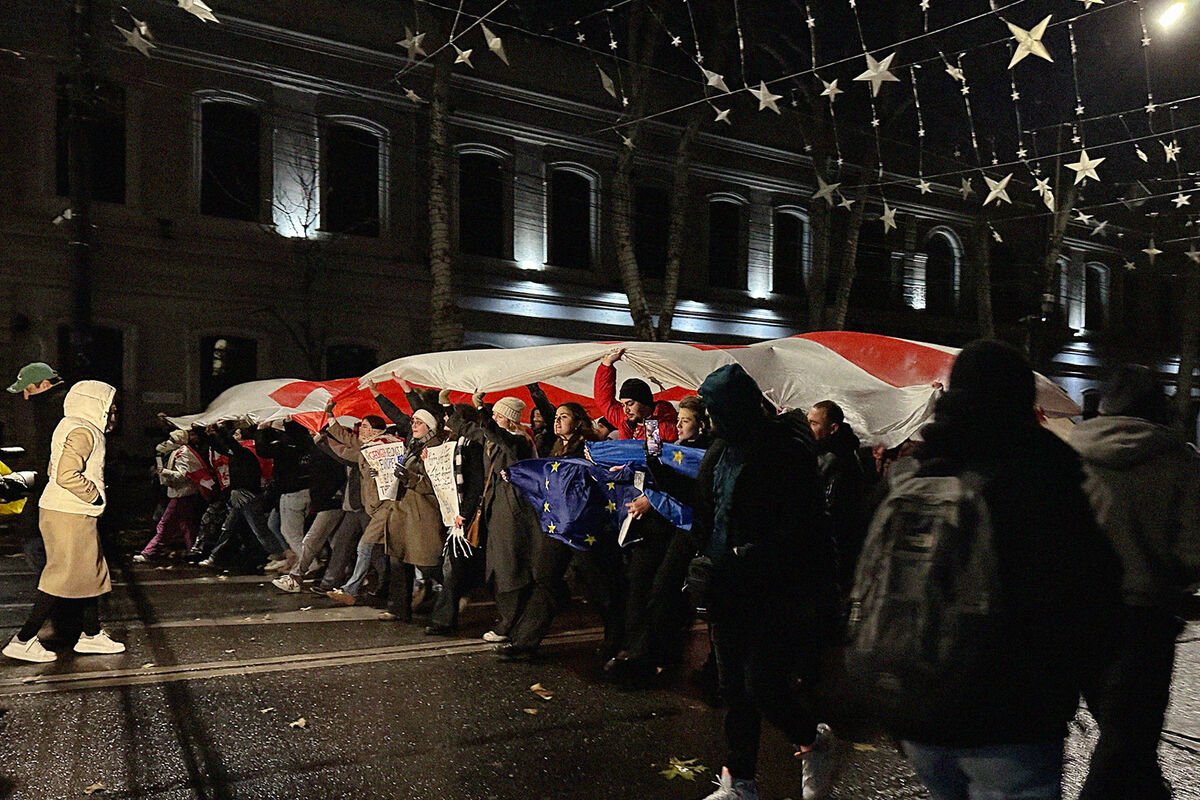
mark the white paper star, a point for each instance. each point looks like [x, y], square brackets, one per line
[714, 80]
[612, 44]
[831, 89]
[676, 41]
[463, 57]
[1084, 218]
[136, 39]
[1076, 139]
[846, 203]
[607, 82]
[967, 190]
[812, 23]
[198, 9]
[412, 43]
[1152, 251]
[888, 217]
[1180, 200]
[1193, 253]
[494, 44]
[1042, 185]
[66, 214]
[1130, 266]
[1151, 107]
[1048, 199]
[1142, 154]
[723, 116]
[1022, 153]
[1015, 95]
[1085, 167]
[765, 98]
[1171, 150]
[877, 72]
[1029, 42]
[1089, 3]
[625, 140]
[965, 90]
[924, 186]
[1099, 229]
[579, 37]
[996, 235]
[924, 5]
[955, 72]
[1079, 109]
[413, 96]
[825, 190]
[997, 190]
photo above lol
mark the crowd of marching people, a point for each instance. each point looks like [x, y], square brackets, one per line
[976, 580]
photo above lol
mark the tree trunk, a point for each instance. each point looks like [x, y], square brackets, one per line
[1189, 339]
[849, 268]
[1057, 231]
[678, 223]
[983, 280]
[445, 325]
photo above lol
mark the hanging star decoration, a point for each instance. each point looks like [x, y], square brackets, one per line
[997, 190]
[888, 217]
[723, 116]
[1022, 153]
[494, 43]
[996, 235]
[1087, 4]
[625, 140]
[924, 186]
[1152, 251]
[831, 90]
[1085, 167]
[138, 38]
[607, 82]
[1129, 266]
[877, 73]
[846, 203]
[765, 98]
[199, 10]
[412, 43]
[1171, 150]
[1100, 229]
[956, 73]
[1029, 42]
[715, 80]
[413, 96]
[825, 190]
[967, 189]
[1180, 200]
[1083, 218]
[463, 57]
[1193, 254]
[1142, 154]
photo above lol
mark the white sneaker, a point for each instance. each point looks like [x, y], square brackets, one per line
[494, 638]
[28, 651]
[286, 583]
[140, 559]
[276, 565]
[730, 788]
[208, 562]
[100, 643]
[818, 765]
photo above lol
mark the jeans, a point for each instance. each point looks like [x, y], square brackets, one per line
[1129, 700]
[366, 554]
[996, 772]
[287, 520]
[245, 505]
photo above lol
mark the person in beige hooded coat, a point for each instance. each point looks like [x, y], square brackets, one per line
[69, 510]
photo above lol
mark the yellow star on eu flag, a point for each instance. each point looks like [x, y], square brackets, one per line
[551, 528]
[589, 540]
[554, 467]
[611, 506]
[545, 506]
[678, 457]
[611, 486]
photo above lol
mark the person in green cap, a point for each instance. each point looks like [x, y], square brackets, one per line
[41, 386]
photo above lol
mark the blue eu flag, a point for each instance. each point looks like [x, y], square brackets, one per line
[631, 454]
[575, 501]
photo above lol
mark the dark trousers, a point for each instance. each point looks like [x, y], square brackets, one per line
[459, 574]
[84, 611]
[549, 593]
[1129, 700]
[643, 561]
[510, 606]
[31, 535]
[761, 647]
[667, 612]
[400, 586]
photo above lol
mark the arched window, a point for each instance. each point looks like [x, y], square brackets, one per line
[104, 132]
[481, 203]
[943, 265]
[651, 226]
[1095, 297]
[353, 176]
[726, 242]
[571, 212]
[230, 132]
[790, 251]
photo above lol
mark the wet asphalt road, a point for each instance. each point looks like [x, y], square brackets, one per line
[219, 670]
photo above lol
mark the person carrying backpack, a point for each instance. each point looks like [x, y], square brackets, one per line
[984, 591]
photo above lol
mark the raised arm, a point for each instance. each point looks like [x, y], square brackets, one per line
[604, 390]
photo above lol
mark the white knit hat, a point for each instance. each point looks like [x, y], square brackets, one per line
[427, 418]
[511, 408]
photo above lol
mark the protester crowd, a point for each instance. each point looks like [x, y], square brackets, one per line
[978, 579]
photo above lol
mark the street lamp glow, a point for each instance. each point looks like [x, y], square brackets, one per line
[1173, 14]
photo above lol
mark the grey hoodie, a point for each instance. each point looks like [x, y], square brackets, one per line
[1144, 484]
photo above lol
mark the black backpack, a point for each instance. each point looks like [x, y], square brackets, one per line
[925, 612]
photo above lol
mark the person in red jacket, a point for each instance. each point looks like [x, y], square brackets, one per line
[628, 411]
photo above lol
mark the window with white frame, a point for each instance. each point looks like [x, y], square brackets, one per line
[353, 176]
[943, 267]
[230, 157]
[790, 251]
[482, 202]
[726, 242]
[570, 216]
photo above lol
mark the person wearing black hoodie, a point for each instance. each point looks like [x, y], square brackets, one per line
[842, 476]
[1144, 483]
[758, 517]
[995, 727]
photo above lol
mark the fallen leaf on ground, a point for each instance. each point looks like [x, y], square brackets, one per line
[148, 665]
[306, 608]
[863, 747]
[95, 787]
[266, 710]
[299, 723]
[541, 691]
[533, 712]
[688, 769]
[227, 652]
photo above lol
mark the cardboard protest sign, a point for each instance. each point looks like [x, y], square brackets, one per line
[439, 466]
[383, 458]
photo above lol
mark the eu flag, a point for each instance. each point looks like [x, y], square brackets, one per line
[575, 500]
[630, 454]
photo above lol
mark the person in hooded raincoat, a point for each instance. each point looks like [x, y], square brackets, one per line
[68, 515]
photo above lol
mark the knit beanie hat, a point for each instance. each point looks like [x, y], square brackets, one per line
[511, 408]
[637, 390]
[427, 418]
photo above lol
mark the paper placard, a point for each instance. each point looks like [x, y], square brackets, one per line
[383, 458]
[439, 466]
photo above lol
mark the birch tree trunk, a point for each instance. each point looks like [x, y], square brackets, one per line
[445, 324]
[849, 268]
[678, 223]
